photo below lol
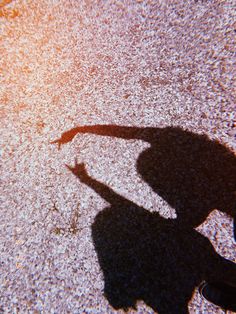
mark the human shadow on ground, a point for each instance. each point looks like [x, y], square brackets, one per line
[144, 256]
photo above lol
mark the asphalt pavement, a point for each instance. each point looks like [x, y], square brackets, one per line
[131, 213]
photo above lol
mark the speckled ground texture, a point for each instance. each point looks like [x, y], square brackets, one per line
[69, 63]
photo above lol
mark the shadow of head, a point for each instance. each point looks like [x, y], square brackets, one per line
[194, 174]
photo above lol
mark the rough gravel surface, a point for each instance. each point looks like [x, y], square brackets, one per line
[129, 63]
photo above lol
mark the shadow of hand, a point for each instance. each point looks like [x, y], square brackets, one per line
[79, 171]
[66, 137]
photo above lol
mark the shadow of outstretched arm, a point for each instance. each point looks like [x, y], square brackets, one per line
[100, 188]
[123, 132]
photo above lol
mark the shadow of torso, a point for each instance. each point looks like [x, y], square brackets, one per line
[145, 257]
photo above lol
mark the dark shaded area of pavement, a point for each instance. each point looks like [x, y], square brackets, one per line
[144, 256]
